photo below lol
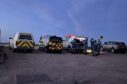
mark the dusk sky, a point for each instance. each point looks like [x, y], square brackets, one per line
[90, 18]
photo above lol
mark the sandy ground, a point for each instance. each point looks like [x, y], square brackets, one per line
[66, 68]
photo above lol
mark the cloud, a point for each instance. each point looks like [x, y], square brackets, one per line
[77, 26]
[89, 17]
[75, 13]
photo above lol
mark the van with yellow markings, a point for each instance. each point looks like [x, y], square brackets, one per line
[50, 43]
[22, 41]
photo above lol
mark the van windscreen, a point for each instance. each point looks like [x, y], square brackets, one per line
[25, 37]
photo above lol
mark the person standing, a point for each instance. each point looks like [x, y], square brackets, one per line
[85, 46]
[95, 48]
[92, 42]
[99, 46]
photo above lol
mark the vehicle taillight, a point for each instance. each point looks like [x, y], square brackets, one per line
[17, 42]
[34, 43]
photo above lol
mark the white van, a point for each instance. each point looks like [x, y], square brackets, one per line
[51, 43]
[22, 41]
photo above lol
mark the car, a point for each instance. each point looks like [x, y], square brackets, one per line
[22, 41]
[114, 46]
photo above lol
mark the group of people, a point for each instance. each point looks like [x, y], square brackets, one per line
[95, 46]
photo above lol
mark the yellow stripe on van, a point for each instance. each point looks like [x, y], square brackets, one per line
[58, 48]
[50, 43]
[60, 45]
[25, 45]
[53, 44]
[30, 43]
[20, 43]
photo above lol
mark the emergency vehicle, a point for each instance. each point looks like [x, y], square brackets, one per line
[50, 43]
[22, 41]
[74, 43]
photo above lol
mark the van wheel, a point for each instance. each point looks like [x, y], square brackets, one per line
[113, 50]
[2, 58]
[47, 50]
[30, 51]
[101, 49]
[60, 51]
[41, 49]
[10, 48]
[84, 52]
[69, 49]
[124, 51]
[14, 50]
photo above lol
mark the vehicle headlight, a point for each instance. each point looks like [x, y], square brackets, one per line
[89, 51]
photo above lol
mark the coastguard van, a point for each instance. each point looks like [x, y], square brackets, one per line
[51, 43]
[22, 41]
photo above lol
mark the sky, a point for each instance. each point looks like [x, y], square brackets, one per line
[90, 18]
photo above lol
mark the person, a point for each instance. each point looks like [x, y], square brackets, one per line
[85, 46]
[95, 48]
[92, 41]
[99, 46]
[74, 46]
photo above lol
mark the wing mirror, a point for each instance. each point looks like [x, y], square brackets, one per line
[10, 38]
[41, 41]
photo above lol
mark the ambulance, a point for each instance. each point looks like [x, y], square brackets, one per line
[22, 41]
[50, 43]
[74, 43]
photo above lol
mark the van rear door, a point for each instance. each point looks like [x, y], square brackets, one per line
[25, 40]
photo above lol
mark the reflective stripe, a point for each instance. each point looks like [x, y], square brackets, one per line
[20, 43]
[60, 45]
[59, 48]
[25, 45]
[50, 43]
[30, 43]
[55, 46]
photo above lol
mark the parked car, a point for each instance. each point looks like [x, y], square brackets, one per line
[22, 41]
[114, 46]
[51, 43]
